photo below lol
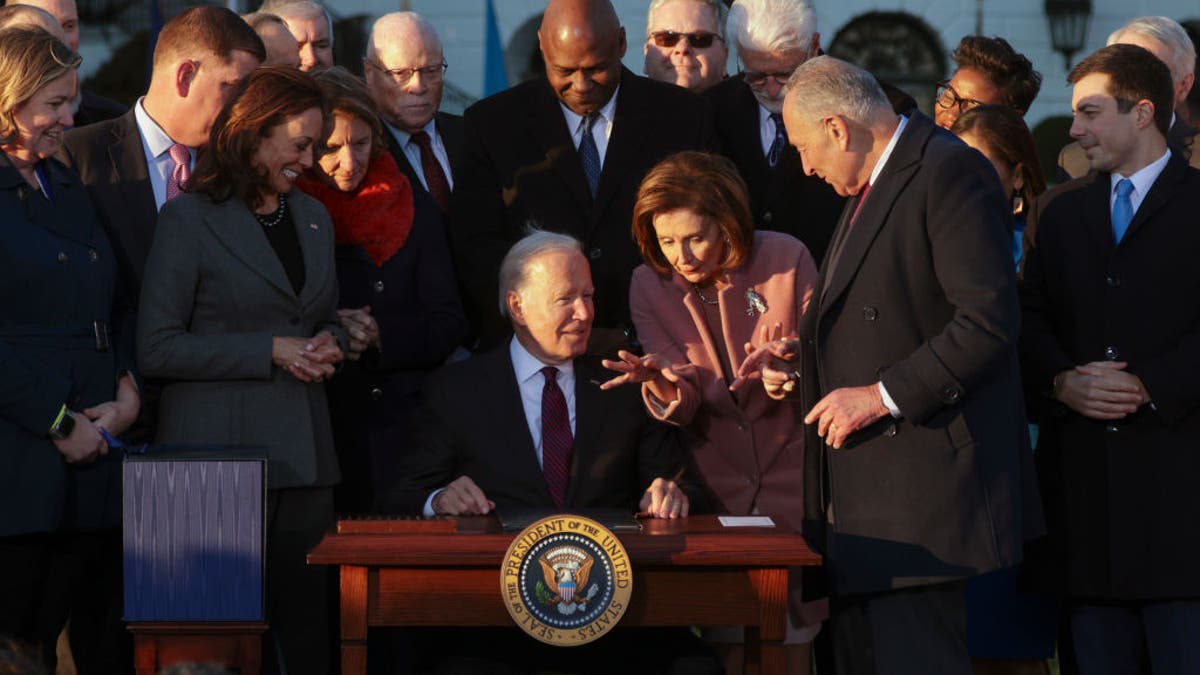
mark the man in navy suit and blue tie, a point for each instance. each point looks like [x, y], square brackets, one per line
[1111, 361]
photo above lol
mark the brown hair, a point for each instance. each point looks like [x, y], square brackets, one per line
[1134, 74]
[1009, 70]
[706, 184]
[30, 58]
[213, 30]
[225, 168]
[347, 94]
[1002, 130]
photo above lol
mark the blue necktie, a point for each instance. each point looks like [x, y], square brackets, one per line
[589, 155]
[779, 142]
[1122, 212]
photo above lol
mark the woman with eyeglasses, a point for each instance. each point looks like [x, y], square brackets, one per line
[990, 72]
[709, 286]
[685, 43]
[398, 294]
[66, 356]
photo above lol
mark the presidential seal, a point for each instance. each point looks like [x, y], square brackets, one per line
[566, 580]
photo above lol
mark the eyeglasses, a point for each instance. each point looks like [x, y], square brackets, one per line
[756, 79]
[433, 73]
[698, 40]
[948, 98]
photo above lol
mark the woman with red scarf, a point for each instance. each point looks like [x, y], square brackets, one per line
[398, 294]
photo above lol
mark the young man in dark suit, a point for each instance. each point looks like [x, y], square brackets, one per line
[909, 375]
[567, 153]
[1111, 358]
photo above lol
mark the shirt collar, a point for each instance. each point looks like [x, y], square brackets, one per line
[607, 112]
[526, 365]
[157, 140]
[1144, 177]
[887, 151]
[402, 137]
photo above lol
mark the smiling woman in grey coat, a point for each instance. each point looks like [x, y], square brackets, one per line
[238, 316]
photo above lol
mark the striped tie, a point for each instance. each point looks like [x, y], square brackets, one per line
[556, 438]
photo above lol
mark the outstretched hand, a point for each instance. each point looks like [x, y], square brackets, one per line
[775, 359]
[637, 369]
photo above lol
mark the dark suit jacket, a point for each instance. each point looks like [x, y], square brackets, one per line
[450, 127]
[783, 199]
[215, 296]
[112, 164]
[1121, 499]
[519, 167]
[472, 424]
[95, 108]
[923, 297]
[59, 277]
[1072, 161]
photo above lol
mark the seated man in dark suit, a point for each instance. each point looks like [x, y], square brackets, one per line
[526, 425]
[567, 152]
[1110, 360]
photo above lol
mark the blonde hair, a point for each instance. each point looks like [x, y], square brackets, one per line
[30, 58]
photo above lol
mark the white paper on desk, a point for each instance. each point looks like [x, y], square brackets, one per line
[746, 521]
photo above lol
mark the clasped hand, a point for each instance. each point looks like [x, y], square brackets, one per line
[362, 328]
[1101, 390]
[775, 359]
[307, 360]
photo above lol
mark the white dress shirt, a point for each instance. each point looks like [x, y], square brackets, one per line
[530, 383]
[1142, 179]
[601, 129]
[156, 145]
[766, 129]
[412, 151]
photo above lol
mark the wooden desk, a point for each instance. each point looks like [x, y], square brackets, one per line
[691, 571]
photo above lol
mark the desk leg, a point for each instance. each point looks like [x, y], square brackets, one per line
[354, 620]
[770, 585]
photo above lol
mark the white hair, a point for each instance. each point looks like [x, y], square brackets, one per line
[717, 7]
[772, 25]
[834, 87]
[395, 26]
[1169, 34]
[514, 269]
[298, 9]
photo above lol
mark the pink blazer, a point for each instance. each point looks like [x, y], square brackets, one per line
[749, 448]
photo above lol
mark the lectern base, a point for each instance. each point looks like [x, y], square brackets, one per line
[237, 645]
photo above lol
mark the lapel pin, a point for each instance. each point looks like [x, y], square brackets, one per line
[313, 226]
[755, 303]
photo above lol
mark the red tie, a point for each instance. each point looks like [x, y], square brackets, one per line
[181, 172]
[862, 197]
[556, 438]
[435, 178]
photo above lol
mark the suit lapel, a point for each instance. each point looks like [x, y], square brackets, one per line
[1160, 192]
[514, 441]
[1097, 215]
[235, 226]
[589, 422]
[857, 233]
[629, 129]
[549, 132]
[130, 177]
[309, 224]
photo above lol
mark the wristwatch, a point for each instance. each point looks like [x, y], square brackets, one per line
[63, 425]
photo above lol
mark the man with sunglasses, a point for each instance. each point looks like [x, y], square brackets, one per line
[405, 72]
[685, 42]
[567, 152]
[773, 37]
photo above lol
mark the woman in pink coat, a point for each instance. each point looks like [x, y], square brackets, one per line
[710, 286]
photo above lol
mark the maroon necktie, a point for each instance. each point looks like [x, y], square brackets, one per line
[435, 178]
[556, 438]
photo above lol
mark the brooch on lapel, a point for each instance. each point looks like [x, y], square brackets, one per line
[755, 303]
